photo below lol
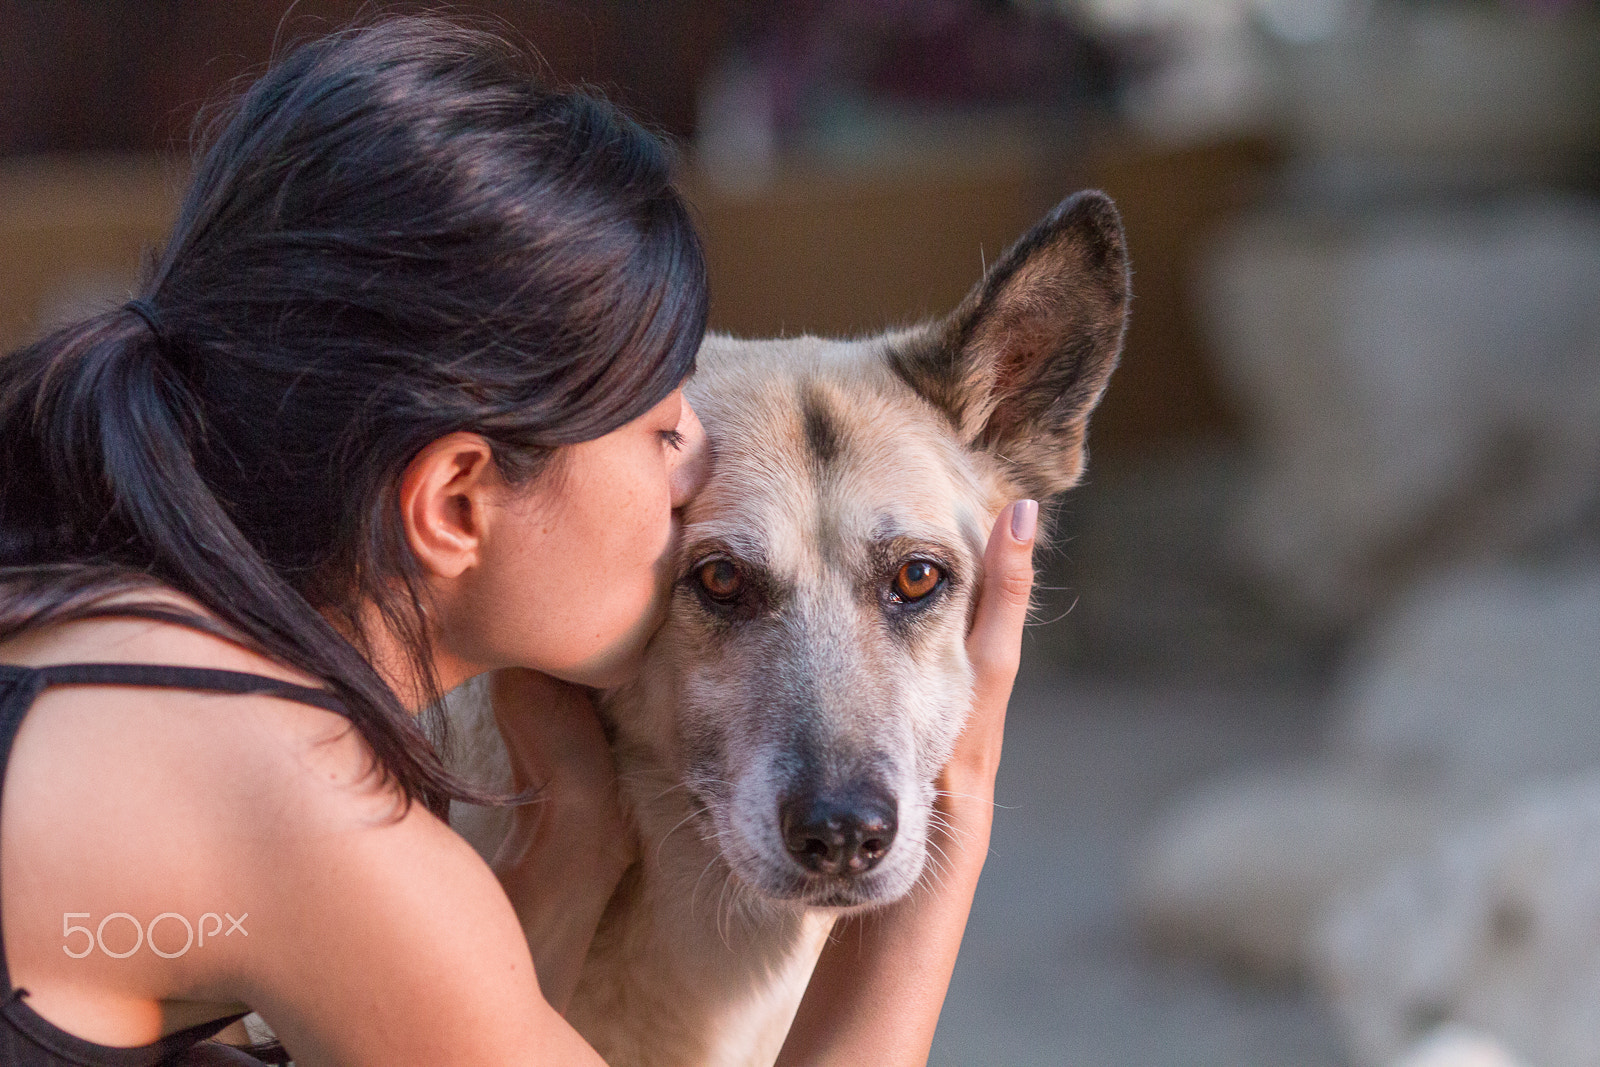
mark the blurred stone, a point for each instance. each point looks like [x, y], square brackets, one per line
[1447, 85]
[1244, 870]
[1487, 676]
[1481, 685]
[1456, 1046]
[1425, 383]
[1496, 929]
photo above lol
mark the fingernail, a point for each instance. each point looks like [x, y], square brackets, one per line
[1024, 518]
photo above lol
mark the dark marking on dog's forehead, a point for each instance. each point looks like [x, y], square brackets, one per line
[823, 434]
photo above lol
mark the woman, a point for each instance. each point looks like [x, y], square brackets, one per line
[401, 404]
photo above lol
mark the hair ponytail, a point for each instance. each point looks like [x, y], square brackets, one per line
[96, 467]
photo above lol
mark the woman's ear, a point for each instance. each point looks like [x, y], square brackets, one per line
[444, 502]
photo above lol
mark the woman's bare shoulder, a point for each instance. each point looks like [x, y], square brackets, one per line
[230, 748]
[223, 745]
[151, 801]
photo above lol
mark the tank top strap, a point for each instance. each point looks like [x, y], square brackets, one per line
[205, 679]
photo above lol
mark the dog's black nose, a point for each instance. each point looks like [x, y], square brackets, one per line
[845, 832]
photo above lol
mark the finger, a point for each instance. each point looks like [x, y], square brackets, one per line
[994, 645]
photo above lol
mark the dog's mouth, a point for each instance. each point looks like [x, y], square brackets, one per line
[848, 895]
[831, 892]
[838, 856]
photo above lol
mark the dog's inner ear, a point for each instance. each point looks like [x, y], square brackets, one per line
[1021, 363]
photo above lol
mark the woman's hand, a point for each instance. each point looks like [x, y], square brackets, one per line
[880, 982]
[566, 850]
[994, 648]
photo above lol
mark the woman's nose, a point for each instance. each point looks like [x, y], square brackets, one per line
[694, 460]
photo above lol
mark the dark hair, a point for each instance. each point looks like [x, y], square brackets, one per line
[395, 234]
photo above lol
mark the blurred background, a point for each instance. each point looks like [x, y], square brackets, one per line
[1302, 764]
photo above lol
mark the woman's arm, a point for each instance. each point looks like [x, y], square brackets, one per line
[380, 940]
[566, 851]
[880, 982]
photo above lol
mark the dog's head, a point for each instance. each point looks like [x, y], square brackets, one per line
[813, 658]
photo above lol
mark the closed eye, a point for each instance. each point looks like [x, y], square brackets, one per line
[673, 438]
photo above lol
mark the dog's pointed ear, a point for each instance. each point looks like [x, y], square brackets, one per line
[1021, 363]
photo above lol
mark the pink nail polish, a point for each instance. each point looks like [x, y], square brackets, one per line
[1024, 519]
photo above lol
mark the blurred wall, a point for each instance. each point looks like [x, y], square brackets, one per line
[96, 100]
[103, 75]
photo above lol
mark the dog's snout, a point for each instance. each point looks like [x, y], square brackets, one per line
[840, 833]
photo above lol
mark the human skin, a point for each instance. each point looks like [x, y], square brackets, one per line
[384, 939]
[568, 574]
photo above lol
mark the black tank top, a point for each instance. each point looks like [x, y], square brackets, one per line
[27, 1039]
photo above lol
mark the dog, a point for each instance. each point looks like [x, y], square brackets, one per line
[779, 751]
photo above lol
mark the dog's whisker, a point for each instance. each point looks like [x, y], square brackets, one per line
[944, 822]
[1058, 618]
[953, 834]
[662, 843]
[668, 791]
[642, 772]
[724, 920]
[748, 906]
[947, 828]
[937, 856]
[925, 887]
[703, 872]
[968, 796]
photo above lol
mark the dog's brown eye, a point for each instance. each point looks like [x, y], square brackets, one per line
[720, 578]
[917, 579]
